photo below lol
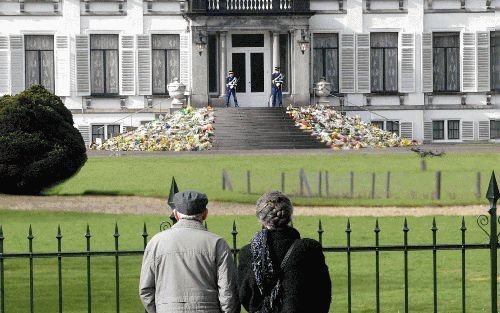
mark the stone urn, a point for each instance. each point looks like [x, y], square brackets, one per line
[176, 91]
[323, 88]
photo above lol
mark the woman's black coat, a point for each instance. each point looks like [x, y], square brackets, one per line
[306, 285]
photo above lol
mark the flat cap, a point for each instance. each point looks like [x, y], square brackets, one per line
[190, 202]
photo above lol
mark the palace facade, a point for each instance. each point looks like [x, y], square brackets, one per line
[426, 69]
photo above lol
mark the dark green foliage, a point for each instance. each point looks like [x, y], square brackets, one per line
[39, 147]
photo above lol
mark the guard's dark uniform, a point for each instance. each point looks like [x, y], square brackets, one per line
[231, 91]
[276, 89]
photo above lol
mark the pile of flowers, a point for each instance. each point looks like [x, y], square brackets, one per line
[343, 132]
[185, 130]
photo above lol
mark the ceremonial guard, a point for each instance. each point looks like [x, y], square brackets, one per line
[231, 83]
[277, 80]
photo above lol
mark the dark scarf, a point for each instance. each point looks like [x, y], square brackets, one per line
[266, 277]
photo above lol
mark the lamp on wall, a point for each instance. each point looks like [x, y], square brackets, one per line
[201, 42]
[303, 42]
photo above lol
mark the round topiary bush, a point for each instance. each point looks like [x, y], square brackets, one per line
[39, 147]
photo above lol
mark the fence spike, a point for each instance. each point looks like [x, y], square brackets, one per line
[59, 235]
[348, 228]
[144, 230]
[30, 233]
[234, 232]
[87, 233]
[1, 233]
[377, 229]
[405, 227]
[434, 227]
[493, 194]
[463, 228]
[320, 227]
[116, 234]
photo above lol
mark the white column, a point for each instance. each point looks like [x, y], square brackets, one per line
[276, 49]
[223, 61]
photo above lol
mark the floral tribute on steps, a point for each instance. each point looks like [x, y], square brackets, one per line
[343, 132]
[185, 130]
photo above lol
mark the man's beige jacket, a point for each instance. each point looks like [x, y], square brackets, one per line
[188, 269]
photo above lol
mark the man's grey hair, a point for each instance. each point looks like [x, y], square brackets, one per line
[274, 209]
[197, 217]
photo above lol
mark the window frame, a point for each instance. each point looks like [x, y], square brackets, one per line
[385, 91]
[165, 52]
[94, 135]
[446, 90]
[39, 57]
[103, 51]
[393, 122]
[323, 56]
[497, 131]
[378, 122]
[449, 130]
[493, 60]
[442, 130]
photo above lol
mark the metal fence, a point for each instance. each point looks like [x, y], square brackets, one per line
[483, 221]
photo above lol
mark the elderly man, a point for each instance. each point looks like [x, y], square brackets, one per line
[186, 268]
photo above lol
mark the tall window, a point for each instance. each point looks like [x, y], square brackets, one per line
[392, 126]
[326, 59]
[495, 60]
[212, 63]
[384, 62]
[284, 60]
[495, 129]
[446, 62]
[97, 132]
[39, 61]
[453, 129]
[166, 61]
[437, 130]
[112, 131]
[104, 64]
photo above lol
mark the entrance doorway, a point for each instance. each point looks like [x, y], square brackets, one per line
[249, 58]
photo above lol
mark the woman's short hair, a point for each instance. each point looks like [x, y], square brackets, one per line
[274, 209]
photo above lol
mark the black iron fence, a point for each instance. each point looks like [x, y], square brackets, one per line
[483, 221]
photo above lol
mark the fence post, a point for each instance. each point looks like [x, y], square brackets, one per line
[320, 233]
[478, 184]
[301, 182]
[283, 182]
[226, 181]
[30, 240]
[493, 195]
[388, 185]
[59, 268]
[320, 181]
[2, 292]
[89, 286]
[248, 182]
[235, 253]
[372, 193]
[116, 235]
[352, 185]
[304, 183]
[437, 194]
[223, 179]
[327, 183]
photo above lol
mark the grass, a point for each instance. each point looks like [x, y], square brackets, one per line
[151, 175]
[15, 227]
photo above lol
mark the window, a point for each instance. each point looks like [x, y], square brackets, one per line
[495, 60]
[437, 130]
[39, 61]
[104, 64]
[495, 129]
[446, 62]
[247, 40]
[326, 59]
[97, 132]
[112, 131]
[212, 63]
[378, 124]
[392, 126]
[284, 60]
[166, 61]
[453, 129]
[384, 62]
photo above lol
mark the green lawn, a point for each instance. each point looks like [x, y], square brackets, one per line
[151, 175]
[15, 227]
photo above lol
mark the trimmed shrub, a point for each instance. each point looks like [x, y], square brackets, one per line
[39, 147]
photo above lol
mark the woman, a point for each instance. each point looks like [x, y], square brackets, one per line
[278, 271]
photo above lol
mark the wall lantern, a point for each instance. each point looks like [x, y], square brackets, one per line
[201, 42]
[303, 42]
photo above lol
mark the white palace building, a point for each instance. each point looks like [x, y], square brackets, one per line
[426, 69]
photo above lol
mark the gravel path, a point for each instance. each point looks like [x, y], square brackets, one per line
[143, 205]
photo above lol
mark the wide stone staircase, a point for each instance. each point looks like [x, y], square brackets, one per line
[259, 128]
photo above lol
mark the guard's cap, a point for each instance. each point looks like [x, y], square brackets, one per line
[230, 72]
[276, 68]
[190, 202]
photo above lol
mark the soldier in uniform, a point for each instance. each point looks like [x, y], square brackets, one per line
[277, 85]
[231, 83]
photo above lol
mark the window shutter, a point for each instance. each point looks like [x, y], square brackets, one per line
[467, 130]
[63, 66]
[428, 131]
[85, 132]
[127, 66]
[483, 61]
[483, 130]
[406, 130]
[347, 73]
[82, 65]
[468, 66]
[144, 65]
[407, 62]
[4, 65]
[185, 58]
[363, 63]
[16, 64]
[427, 77]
